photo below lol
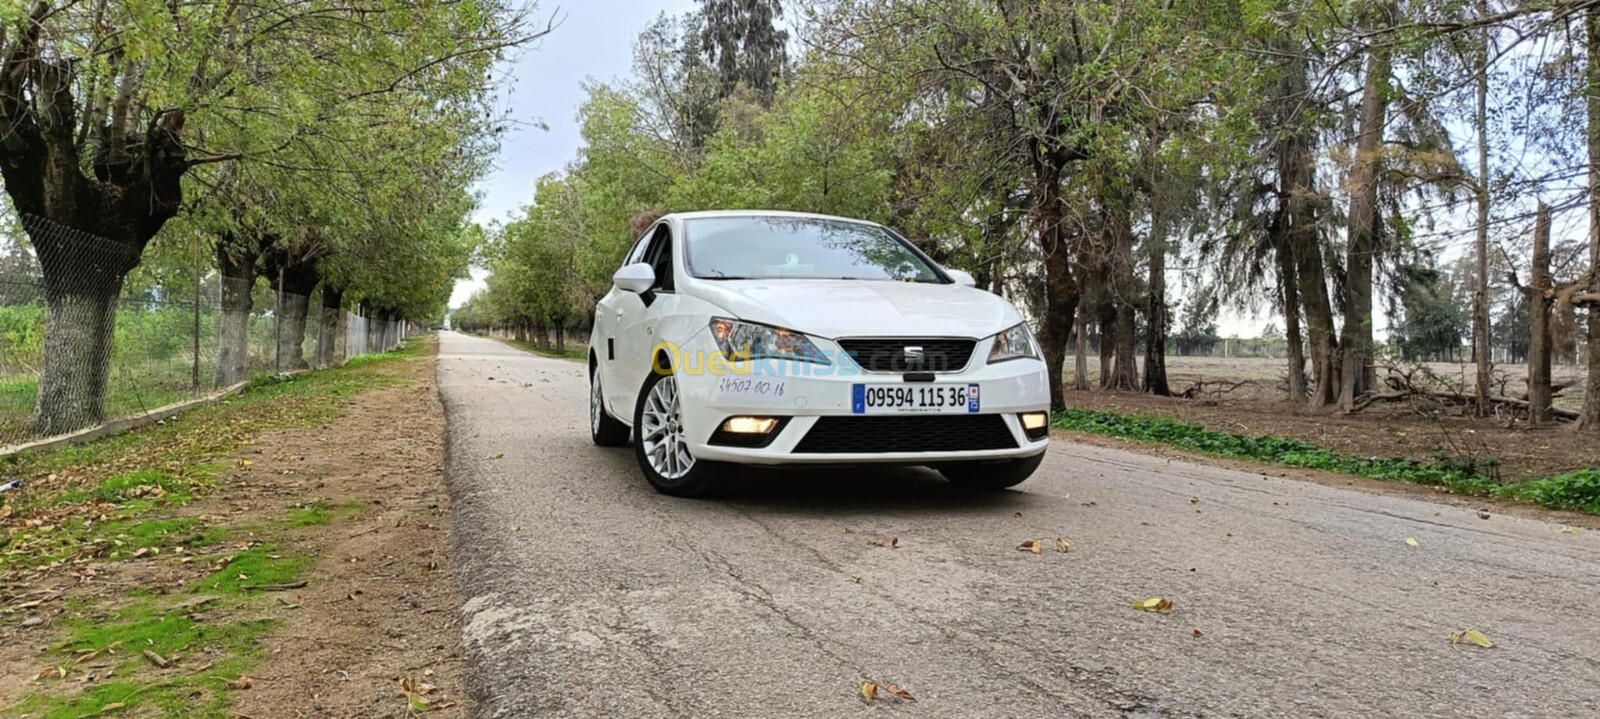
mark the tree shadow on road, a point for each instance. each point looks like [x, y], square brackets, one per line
[854, 489]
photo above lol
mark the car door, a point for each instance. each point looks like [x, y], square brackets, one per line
[608, 315]
[638, 319]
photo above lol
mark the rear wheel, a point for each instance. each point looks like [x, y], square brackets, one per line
[604, 429]
[663, 447]
[991, 475]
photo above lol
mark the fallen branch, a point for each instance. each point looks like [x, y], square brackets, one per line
[274, 587]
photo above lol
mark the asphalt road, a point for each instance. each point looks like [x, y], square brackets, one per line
[589, 595]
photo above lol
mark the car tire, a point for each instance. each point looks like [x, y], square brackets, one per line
[604, 429]
[663, 457]
[991, 476]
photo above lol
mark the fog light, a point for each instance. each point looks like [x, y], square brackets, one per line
[749, 425]
[1034, 420]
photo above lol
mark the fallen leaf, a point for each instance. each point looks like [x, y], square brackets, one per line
[1194, 500]
[1063, 546]
[1412, 541]
[1198, 634]
[894, 543]
[869, 691]
[1471, 635]
[877, 542]
[1031, 545]
[1482, 514]
[497, 455]
[242, 683]
[1569, 530]
[1159, 605]
[156, 659]
[901, 693]
[854, 579]
[1016, 514]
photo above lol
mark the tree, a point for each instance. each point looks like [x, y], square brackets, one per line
[106, 109]
[742, 40]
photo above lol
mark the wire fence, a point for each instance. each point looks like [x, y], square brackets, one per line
[80, 345]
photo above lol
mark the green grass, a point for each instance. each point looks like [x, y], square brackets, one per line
[1577, 490]
[573, 352]
[317, 513]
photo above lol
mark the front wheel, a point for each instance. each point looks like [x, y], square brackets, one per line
[991, 475]
[604, 429]
[663, 447]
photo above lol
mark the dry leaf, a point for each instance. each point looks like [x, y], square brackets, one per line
[243, 682]
[869, 691]
[1412, 541]
[894, 543]
[1471, 635]
[901, 693]
[1063, 546]
[497, 455]
[876, 542]
[1482, 514]
[1569, 530]
[1031, 545]
[1194, 500]
[1159, 605]
[1198, 634]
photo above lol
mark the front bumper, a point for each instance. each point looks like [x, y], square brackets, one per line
[810, 393]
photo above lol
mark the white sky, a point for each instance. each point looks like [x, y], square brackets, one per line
[593, 41]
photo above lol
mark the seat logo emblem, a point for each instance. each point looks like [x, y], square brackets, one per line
[913, 354]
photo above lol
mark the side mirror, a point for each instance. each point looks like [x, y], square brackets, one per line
[637, 278]
[962, 278]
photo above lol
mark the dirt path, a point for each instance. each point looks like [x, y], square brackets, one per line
[379, 607]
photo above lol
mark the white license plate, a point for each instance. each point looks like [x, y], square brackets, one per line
[914, 398]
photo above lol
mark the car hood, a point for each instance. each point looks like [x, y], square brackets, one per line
[860, 308]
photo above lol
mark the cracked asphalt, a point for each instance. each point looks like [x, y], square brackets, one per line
[589, 595]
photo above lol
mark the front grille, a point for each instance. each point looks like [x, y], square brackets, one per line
[940, 433]
[891, 355]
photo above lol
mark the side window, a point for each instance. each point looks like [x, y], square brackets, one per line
[635, 254]
[659, 255]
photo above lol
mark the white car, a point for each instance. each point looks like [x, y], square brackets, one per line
[783, 338]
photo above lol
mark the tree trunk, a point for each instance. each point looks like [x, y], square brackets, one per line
[1480, 294]
[1539, 391]
[1125, 370]
[1061, 287]
[1155, 341]
[341, 338]
[236, 262]
[1589, 416]
[1293, 350]
[79, 326]
[1080, 370]
[332, 311]
[1356, 371]
[294, 278]
[561, 339]
[1108, 339]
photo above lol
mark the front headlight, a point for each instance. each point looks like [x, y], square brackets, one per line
[1014, 343]
[735, 338]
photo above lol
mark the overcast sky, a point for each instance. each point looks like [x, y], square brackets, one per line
[594, 40]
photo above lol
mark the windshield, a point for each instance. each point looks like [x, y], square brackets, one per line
[751, 248]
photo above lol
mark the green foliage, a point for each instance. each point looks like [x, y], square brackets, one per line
[1576, 490]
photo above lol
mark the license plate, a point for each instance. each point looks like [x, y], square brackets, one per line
[914, 398]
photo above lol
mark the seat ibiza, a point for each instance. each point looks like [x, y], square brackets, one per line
[780, 338]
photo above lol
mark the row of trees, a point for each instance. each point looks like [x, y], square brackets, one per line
[317, 143]
[1308, 157]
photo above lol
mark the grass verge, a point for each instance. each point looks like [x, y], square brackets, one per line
[575, 353]
[1575, 490]
[149, 609]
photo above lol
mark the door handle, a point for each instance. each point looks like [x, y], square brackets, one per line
[619, 314]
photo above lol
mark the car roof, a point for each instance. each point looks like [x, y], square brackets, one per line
[708, 214]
